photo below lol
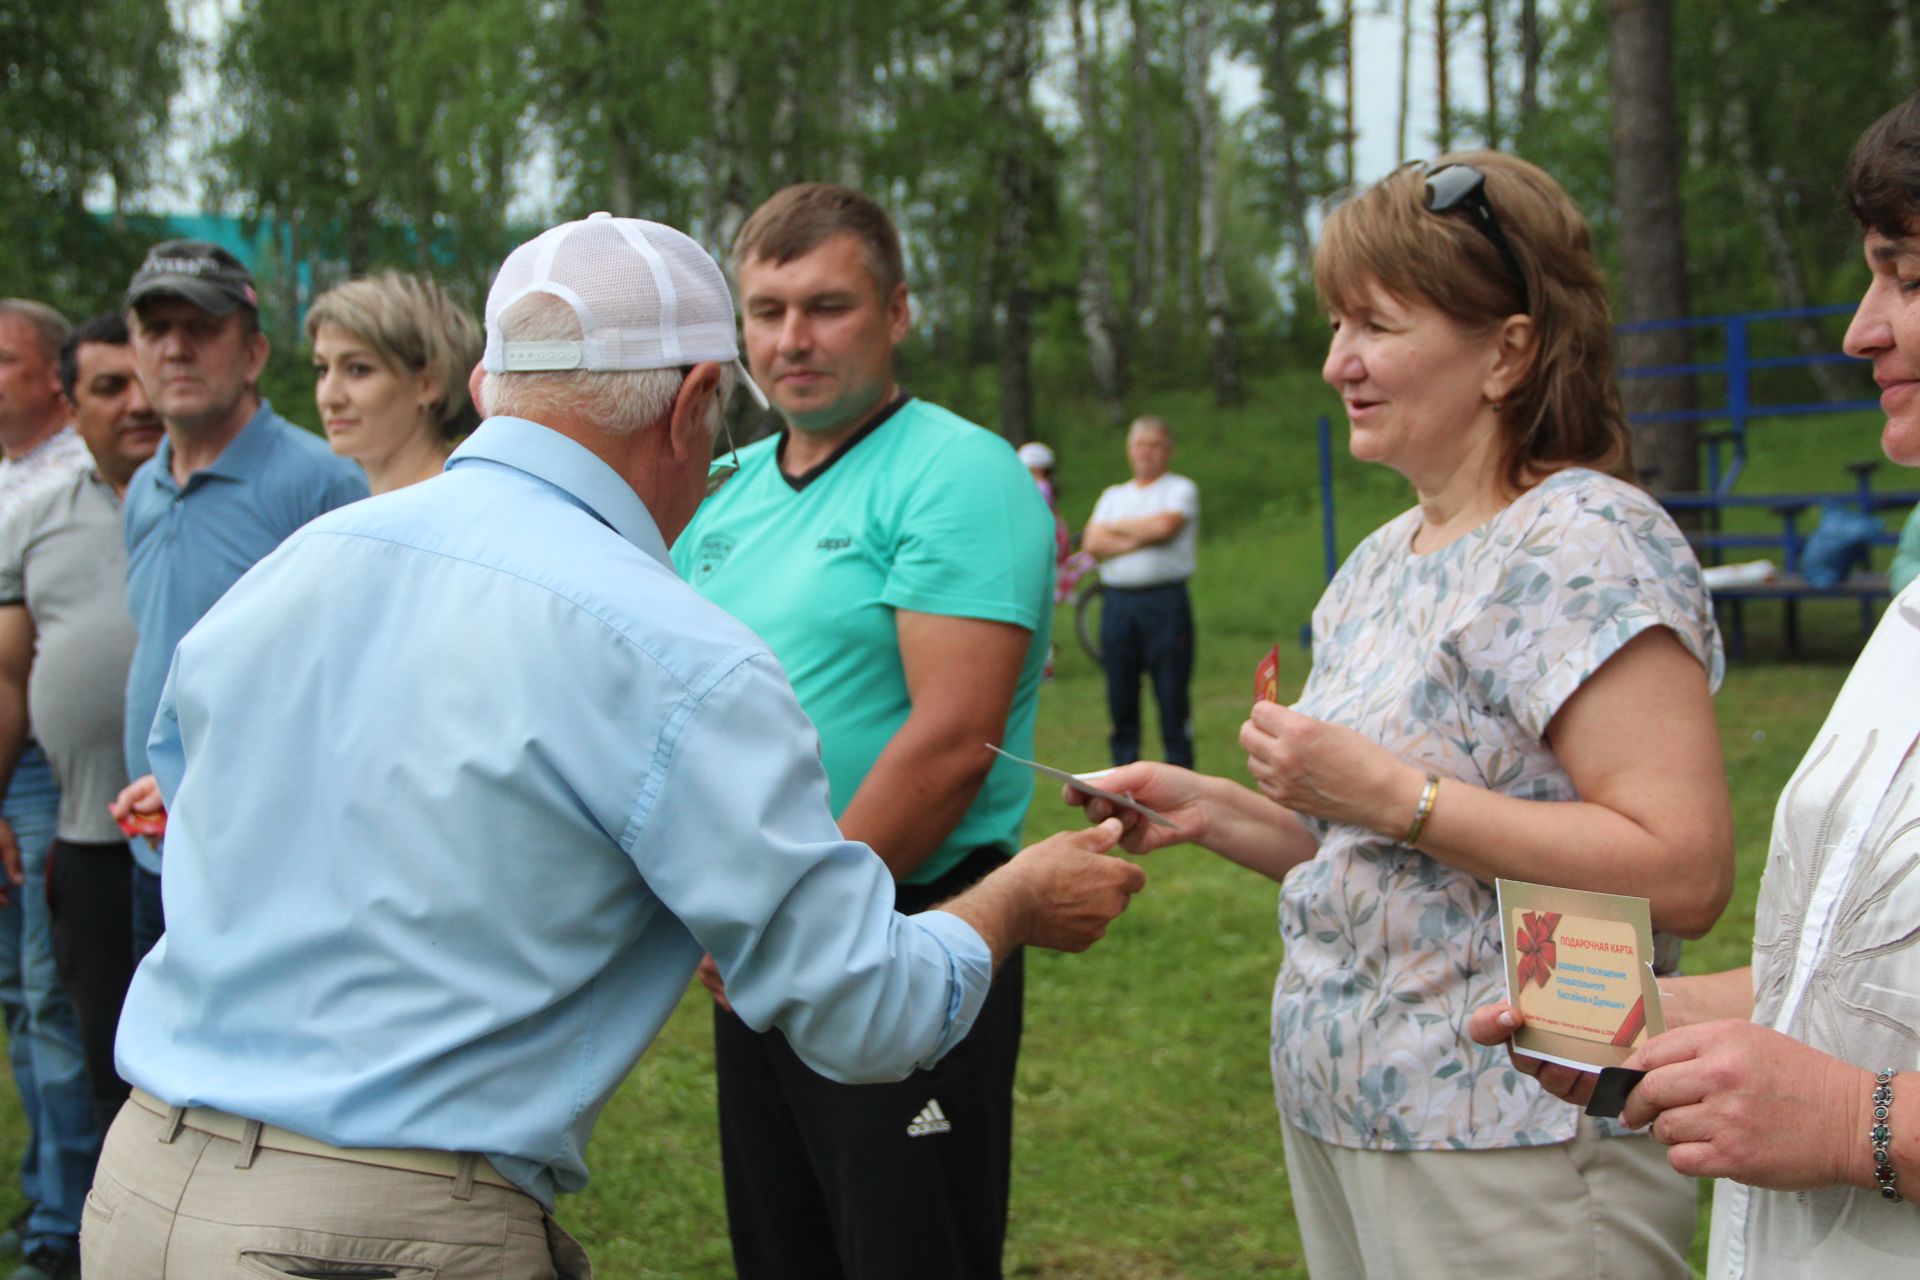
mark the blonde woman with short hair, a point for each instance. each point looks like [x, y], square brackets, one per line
[390, 359]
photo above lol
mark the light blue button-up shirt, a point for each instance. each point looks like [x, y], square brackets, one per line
[186, 544]
[462, 781]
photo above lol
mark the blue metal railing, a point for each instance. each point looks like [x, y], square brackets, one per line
[1738, 367]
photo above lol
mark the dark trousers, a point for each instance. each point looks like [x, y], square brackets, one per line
[149, 917]
[1148, 630]
[90, 895]
[829, 1181]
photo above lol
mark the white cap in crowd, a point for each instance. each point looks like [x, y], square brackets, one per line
[1035, 454]
[647, 297]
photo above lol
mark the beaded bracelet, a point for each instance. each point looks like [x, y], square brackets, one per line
[1881, 1135]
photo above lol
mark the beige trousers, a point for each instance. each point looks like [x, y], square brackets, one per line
[1591, 1209]
[194, 1206]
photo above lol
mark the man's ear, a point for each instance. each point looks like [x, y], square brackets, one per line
[899, 313]
[693, 409]
[258, 348]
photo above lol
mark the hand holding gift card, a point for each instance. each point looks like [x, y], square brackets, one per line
[1580, 971]
[1266, 677]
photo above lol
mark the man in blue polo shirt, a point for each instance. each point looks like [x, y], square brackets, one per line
[898, 561]
[231, 480]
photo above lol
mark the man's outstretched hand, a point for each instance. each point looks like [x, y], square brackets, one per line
[1060, 893]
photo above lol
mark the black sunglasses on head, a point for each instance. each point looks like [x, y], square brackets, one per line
[1461, 186]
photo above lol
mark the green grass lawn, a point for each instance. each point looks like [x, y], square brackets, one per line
[1147, 1143]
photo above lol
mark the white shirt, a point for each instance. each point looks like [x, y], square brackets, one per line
[58, 456]
[1164, 562]
[1835, 960]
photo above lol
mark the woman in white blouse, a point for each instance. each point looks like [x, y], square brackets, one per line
[1795, 1080]
[1510, 679]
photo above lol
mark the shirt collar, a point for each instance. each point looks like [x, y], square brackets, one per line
[48, 446]
[241, 461]
[572, 468]
[99, 482]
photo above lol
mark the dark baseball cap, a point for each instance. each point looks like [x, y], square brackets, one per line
[203, 273]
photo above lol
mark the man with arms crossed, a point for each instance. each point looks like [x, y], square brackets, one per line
[229, 482]
[897, 561]
[43, 1038]
[65, 641]
[1144, 533]
[463, 780]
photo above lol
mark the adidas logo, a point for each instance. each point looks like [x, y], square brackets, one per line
[930, 1120]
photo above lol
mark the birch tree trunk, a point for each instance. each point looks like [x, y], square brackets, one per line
[619, 141]
[1347, 133]
[1406, 83]
[1097, 314]
[1016, 231]
[1900, 16]
[783, 159]
[725, 201]
[1653, 247]
[1529, 66]
[847, 144]
[1490, 58]
[1141, 294]
[1213, 279]
[1281, 23]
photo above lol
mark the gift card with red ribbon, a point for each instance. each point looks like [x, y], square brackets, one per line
[1580, 970]
[1266, 677]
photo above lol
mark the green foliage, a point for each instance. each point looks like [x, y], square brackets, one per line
[84, 90]
[1769, 99]
[373, 134]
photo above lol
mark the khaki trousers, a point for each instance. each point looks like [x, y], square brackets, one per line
[1591, 1209]
[169, 1203]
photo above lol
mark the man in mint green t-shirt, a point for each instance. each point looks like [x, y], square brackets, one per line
[898, 561]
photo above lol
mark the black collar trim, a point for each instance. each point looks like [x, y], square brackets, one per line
[805, 478]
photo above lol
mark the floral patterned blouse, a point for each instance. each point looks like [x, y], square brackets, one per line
[1456, 661]
[1836, 956]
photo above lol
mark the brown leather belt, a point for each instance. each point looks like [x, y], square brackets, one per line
[222, 1124]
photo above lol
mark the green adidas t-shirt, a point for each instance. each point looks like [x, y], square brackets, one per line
[925, 512]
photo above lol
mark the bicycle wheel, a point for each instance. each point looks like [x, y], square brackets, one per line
[1086, 616]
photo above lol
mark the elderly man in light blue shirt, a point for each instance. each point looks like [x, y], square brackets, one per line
[463, 780]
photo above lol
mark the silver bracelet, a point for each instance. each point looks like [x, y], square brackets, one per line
[1881, 1135]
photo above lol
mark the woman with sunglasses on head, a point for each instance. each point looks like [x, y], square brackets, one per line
[390, 357]
[1512, 679]
[1795, 1080]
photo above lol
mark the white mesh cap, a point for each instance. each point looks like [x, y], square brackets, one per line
[647, 297]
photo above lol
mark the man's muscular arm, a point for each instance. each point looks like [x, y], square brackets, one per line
[961, 675]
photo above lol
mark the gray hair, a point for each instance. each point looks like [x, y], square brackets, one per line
[50, 328]
[621, 402]
[1150, 422]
